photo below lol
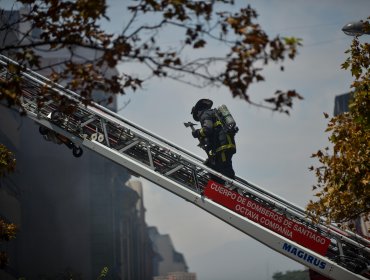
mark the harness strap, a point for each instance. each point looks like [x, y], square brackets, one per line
[229, 145]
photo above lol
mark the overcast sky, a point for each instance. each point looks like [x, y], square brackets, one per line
[273, 149]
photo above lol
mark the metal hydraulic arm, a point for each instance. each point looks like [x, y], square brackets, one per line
[262, 215]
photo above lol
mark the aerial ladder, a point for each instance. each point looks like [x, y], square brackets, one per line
[281, 225]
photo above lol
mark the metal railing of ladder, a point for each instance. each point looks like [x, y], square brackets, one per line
[346, 256]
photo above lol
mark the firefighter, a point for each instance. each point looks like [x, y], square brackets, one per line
[218, 143]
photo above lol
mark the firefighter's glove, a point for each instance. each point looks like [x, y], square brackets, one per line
[196, 133]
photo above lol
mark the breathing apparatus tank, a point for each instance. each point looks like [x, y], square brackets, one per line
[227, 119]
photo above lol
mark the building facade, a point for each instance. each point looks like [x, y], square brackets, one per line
[76, 216]
[73, 214]
[168, 259]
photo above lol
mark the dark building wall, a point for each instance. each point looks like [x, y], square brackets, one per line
[139, 247]
[74, 214]
[341, 103]
[67, 207]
